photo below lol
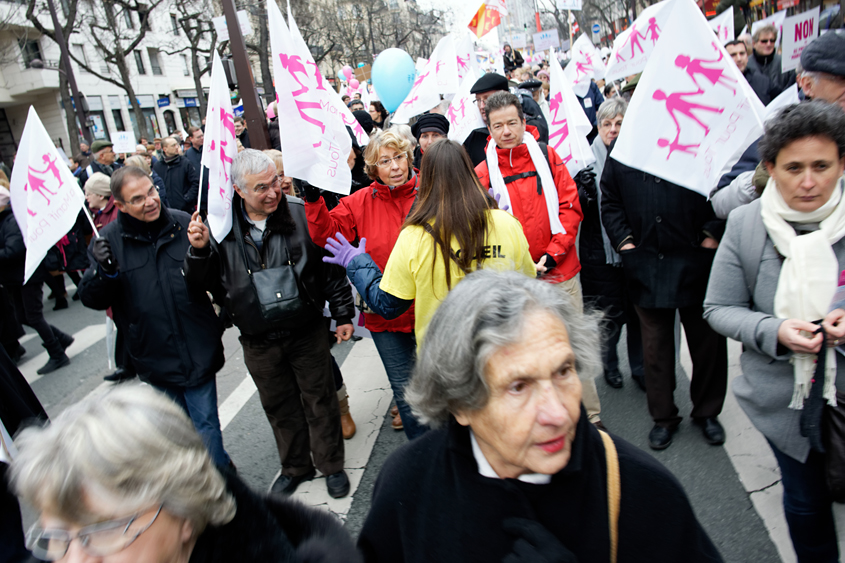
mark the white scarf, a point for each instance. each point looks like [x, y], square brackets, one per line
[500, 191]
[808, 277]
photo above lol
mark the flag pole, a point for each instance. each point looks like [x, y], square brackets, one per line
[199, 195]
[93, 226]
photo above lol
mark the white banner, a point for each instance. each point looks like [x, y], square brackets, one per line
[314, 139]
[788, 97]
[568, 124]
[693, 110]
[45, 195]
[584, 65]
[463, 113]
[518, 41]
[569, 4]
[465, 56]
[776, 20]
[632, 47]
[546, 40]
[440, 76]
[798, 32]
[723, 25]
[124, 142]
[218, 151]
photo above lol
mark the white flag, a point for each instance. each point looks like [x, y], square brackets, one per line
[788, 97]
[568, 124]
[723, 25]
[219, 150]
[45, 195]
[632, 47]
[776, 20]
[693, 110]
[465, 55]
[442, 66]
[314, 139]
[463, 113]
[585, 65]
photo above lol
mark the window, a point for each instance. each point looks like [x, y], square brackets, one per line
[186, 68]
[79, 52]
[31, 50]
[139, 62]
[127, 17]
[155, 64]
[174, 22]
[118, 120]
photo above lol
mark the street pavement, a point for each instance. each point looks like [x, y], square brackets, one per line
[735, 490]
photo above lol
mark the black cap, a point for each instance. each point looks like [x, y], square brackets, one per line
[488, 82]
[430, 122]
[365, 119]
[825, 54]
[532, 84]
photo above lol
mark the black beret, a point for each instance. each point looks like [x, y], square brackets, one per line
[825, 54]
[532, 84]
[430, 122]
[365, 119]
[488, 82]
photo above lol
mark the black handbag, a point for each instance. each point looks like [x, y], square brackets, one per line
[834, 441]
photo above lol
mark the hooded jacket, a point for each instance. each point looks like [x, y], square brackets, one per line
[529, 207]
[377, 214]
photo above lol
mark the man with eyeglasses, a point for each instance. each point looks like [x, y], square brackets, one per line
[274, 284]
[476, 143]
[174, 336]
[181, 178]
[766, 61]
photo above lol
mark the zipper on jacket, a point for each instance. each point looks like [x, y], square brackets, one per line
[252, 244]
[510, 158]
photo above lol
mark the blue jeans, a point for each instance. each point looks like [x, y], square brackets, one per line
[200, 403]
[807, 505]
[398, 352]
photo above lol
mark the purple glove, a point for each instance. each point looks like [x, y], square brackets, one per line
[497, 197]
[343, 251]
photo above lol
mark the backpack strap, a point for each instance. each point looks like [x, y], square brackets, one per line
[614, 492]
[531, 173]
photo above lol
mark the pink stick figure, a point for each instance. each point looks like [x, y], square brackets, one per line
[228, 122]
[653, 31]
[293, 65]
[51, 167]
[675, 146]
[581, 68]
[224, 159]
[675, 102]
[634, 38]
[462, 63]
[318, 75]
[437, 66]
[619, 58]
[713, 75]
[302, 106]
[410, 101]
[419, 79]
[36, 184]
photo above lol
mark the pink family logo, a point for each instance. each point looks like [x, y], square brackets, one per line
[37, 181]
[634, 38]
[293, 64]
[356, 127]
[562, 133]
[452, 112]
[413, 96]
[463, 63]
[227, 120]
[585, 67]
[713, 73]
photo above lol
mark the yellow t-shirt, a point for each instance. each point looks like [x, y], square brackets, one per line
[408, 274]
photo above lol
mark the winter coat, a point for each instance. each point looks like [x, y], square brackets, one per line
[181, 180]
[666, 223]
[513, 60]
[106, 215]
[761, 84]
[12, 250]
[158, 181]
[274, 529]
[431, 504]
[275, 134]
[72, 246]
[221, 269]
[476, 145]
[173, 333]
[590, 103]
[195, 158]
[377, 214]
[244, 139]
[771, 67]
[529, 207]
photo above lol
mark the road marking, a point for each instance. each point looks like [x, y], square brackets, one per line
[236, 401]
[83, 339]
[27, 337]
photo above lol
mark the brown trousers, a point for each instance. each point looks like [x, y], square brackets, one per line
[293, 375]
[709, 352]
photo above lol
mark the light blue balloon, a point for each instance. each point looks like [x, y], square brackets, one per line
[393, 77]
[361, 65]
[341, 76]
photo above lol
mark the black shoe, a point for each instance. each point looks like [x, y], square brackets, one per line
[65, 340]
[338, 484]
[286, 485]
[60, 304]
[53, 364]
[613, 378]
[639, 380]
[660, 438]
[120, 374]
[712, 429]
[18, 354]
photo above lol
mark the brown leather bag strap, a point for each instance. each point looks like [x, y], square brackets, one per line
[614, 492]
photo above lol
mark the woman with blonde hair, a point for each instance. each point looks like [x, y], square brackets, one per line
[286, 181]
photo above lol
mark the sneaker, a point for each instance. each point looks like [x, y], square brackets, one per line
[338, 484]
[286, 485]
[53, 364]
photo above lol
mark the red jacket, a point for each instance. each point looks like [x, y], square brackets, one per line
[377, 214]
[106, 215]
[530, 208]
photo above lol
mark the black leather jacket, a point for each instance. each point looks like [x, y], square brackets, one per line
[220, 268]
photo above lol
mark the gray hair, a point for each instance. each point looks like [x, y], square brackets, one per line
[404, 130]
[483, 313]
[768, 28]
[139, 161]
[610, 108]
[130, 447]
[799, 121]
[247, 163]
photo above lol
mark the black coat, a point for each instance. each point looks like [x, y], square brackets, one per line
[431, 504]
[274, 529]
[194, 156]
[771, 68]
[275, 134]
[667, 223]
[476, 145]
[92, 167]
[512, 60]
[182, 182]
[761, 84]
[12, 250]
[173, 333]
[221, 269]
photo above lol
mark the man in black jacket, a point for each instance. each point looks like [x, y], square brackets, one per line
[102, 160]
[766, 60]
[181, 179]
[667, 236]
[196, 138]
[174, 337]
[273, 282]
[760, 83]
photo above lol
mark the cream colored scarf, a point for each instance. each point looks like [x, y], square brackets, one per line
[808, 277]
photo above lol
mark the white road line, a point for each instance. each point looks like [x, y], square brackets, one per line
[83, 339]
[236, 401]
[27, 337]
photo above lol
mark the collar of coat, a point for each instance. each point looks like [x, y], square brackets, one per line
[133, 228]
[406, 189]
[519, 151]
[280, 220]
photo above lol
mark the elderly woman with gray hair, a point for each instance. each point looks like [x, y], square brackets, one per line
[125, 477]
[513, 470]
[602, 277]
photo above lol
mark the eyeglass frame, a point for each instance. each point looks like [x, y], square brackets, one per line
[150, 194]
[85, 532]
[276, 182]
[385, 163]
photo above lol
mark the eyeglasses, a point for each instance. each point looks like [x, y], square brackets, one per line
[386, 162]
[766, 41]
[261, 189]
[97, 540]
[481, 102]
[140, 200]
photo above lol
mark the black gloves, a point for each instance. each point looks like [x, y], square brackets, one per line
[550, 263]
[309, 193]
[585, 181]
[101, 249]
[534, 544]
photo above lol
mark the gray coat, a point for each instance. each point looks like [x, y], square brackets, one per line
[764, 389]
